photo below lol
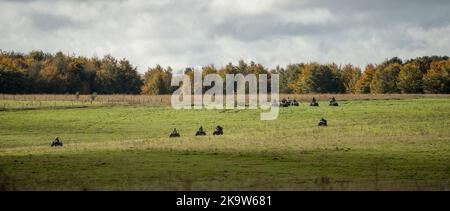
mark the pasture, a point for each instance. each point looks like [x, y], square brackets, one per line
[398, 142]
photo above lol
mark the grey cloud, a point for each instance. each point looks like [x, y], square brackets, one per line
[268, 26]
[46, 22]
[382, 12]
[195, 32]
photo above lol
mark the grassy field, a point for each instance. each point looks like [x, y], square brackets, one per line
[391, 143]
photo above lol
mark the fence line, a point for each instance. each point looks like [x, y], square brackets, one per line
[161, 100]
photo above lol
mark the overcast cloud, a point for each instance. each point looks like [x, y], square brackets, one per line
[183, 33]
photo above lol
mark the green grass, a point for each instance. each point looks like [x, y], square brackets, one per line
[368, 145]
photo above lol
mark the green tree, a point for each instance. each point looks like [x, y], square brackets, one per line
[410, 78]
[53, 74]
[350, 75]
[318, 78]
[385, 79]
[242, 67]
[74, 76]
[105, 75]
[11, 81]
[289, 77]
[393, 60]
[117, 77]
[128, 80]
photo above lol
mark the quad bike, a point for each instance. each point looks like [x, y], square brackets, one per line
[315, 104]
[200, 133]
[323, 123]
[57, 143]
[174, 135]
[333, 103]
[218, 131]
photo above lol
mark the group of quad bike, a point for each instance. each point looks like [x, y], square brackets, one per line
[219, 130]
[322, 122]
[288, 102]
[175, 134]
[284, 103]
[314, 103]
[200, 132]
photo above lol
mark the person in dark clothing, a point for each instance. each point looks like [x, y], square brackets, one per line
[284, 103]
[200, 132]
[323, 122]
[333, 102]
[314, 102]
[56, 142]
[218, 131]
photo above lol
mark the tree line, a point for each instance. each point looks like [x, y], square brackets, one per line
[39, 72]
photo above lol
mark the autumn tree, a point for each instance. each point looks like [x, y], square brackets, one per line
[424, 62]
[350, 75]
[257, 69]
[40, 72]
[362, 86]
[437, 79]
[157, 81]
[206, 70]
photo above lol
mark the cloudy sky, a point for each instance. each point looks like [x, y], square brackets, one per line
[184, 33]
